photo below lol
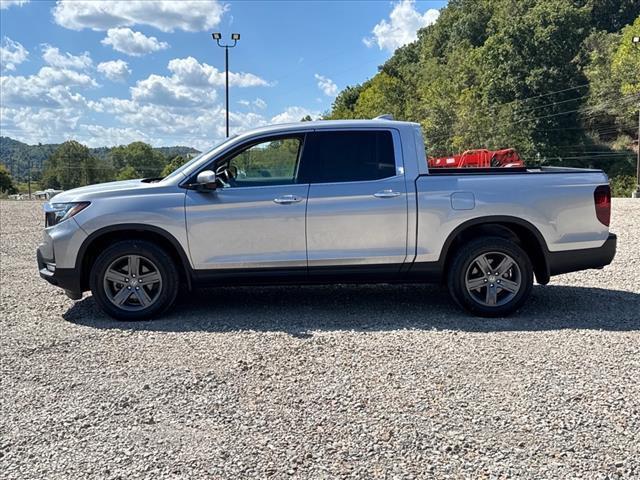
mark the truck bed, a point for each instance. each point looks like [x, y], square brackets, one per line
[506, 171]
[556, 202]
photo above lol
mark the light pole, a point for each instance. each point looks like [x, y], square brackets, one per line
[636, 194]
[235, 37]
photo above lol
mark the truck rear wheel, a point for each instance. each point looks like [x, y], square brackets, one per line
[134, 280]
[490, 277]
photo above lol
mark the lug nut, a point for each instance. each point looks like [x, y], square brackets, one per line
[137, 288]
[126, 279]
[128, 288]
[485, 280]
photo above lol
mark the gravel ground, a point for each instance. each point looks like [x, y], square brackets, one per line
[321, 382]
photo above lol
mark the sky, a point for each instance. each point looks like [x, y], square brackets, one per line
[112, 72]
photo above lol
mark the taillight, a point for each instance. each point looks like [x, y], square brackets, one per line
[602, 199]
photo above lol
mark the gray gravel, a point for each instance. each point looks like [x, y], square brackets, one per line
[321, 382]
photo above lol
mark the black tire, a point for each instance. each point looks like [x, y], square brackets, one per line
[465, 268]
[148, 253]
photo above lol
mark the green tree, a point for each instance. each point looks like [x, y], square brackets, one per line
[625, 64]
[345, 103]
[140, 156]
[381, 95]
[127, 173]
[173, 164]
[612, 15]
[613, 70]
[72, 165]
[6, 182]
[554, 79]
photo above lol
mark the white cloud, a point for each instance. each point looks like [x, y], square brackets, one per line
[402, 27]
[200, 127]
[99, 136]
[294, 114]
[197, 126]
[165, 15]
[46, 106]
[63, 77]
[257, 103]
[53, 57]
[9, 3]
[114, 70]
[160, 90]
[132, 43]
[34, 125]
[192, 83]
[11, 54]
[190, 72]
[329, 88]
[182, 107]
[50, 87]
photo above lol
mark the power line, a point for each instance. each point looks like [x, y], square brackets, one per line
[622, 98]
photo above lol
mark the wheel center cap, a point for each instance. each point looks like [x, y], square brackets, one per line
[134, 282]
[492, 278]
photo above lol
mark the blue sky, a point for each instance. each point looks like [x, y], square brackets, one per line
[111, 72]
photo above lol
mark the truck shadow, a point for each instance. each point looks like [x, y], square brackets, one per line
[299, 311]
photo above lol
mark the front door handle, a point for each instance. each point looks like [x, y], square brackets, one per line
[287, 199]
[387, 194]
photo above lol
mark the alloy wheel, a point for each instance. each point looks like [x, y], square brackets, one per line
[493, 279]
[132, 282]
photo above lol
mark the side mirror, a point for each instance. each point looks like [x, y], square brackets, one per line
[207, 180]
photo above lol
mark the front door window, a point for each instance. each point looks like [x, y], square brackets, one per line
[268, 163]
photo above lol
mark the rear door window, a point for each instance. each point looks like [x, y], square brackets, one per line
[349, 156]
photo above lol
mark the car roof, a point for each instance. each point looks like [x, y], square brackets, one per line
[325, 124]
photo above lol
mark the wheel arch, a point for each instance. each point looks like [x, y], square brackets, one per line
[100, 239]
[512, 228]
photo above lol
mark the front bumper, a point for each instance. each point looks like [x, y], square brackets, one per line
[575, 260]
[65, 278]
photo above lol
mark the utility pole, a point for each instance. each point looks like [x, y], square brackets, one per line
[636, 194]
[29, 177]
[636, 41]
[235, 37]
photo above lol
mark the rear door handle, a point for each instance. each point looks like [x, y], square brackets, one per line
[286, 199]
[387, 194]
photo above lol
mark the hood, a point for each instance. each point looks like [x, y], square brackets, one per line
[102, 190]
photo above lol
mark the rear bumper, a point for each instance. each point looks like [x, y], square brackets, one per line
[575, 260]
[65, 278]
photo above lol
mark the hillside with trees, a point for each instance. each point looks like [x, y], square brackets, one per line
[558, 80]
[73, 164]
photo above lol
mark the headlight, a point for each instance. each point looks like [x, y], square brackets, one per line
[55, 213]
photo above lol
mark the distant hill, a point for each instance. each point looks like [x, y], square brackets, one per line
[17, 156]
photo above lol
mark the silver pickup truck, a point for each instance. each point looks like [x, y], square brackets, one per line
[326, 202]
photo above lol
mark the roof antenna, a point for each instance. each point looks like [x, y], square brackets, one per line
[386, 116]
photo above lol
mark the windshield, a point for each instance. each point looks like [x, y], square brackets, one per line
[185, 167]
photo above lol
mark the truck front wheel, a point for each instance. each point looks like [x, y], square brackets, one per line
[490, 277]
[134, 280]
